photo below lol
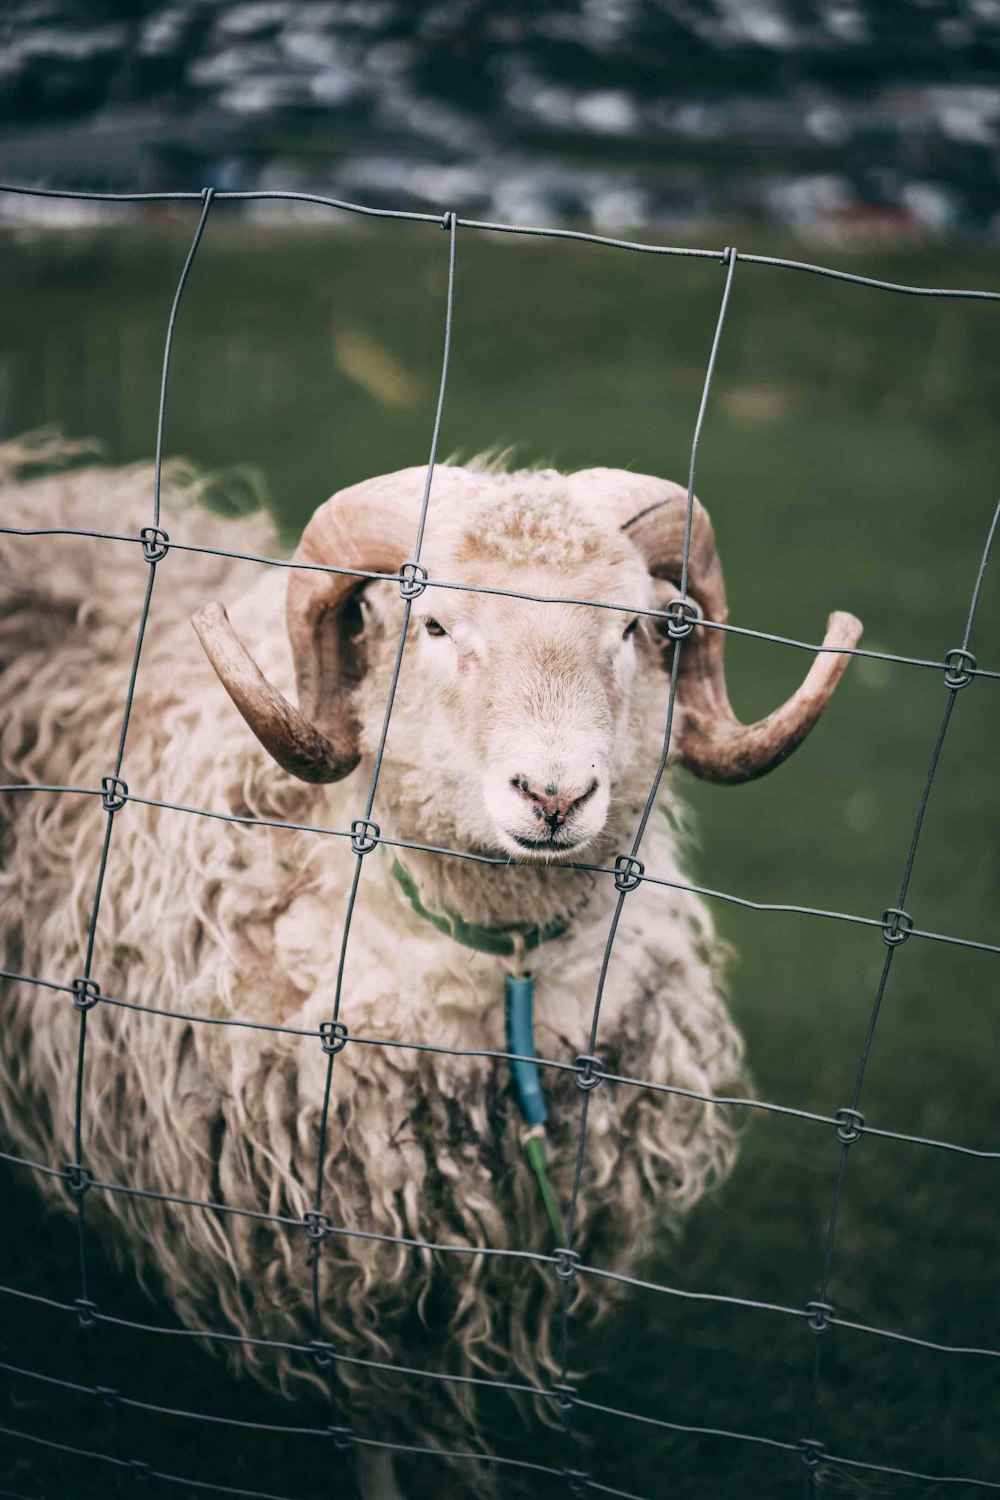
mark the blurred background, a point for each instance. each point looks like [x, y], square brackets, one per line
[854, 117]
[849, 460]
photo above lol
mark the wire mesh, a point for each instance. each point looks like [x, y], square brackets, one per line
[958, 669]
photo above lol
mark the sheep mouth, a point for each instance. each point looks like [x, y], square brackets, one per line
[551, 845]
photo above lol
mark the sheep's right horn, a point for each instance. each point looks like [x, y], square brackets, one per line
[363, 529]
[297, 745]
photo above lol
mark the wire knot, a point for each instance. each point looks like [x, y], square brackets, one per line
[114, 793]
[324, 1355]
[78, 1178]
[960, 666]
[86, 993]
[343, 1438]
[564, 1396]
[318, 1226]
[412, 579]
[141, 1469]
[896, 926]
[108, 1394]
[155, 543]
[449, 220]
[811, 1452]
[567, 1263]
[820, 1316]
[628, 872]
[729, 255]
[578, 1481]
[86, 1312]
[591, 1071]
[850, 1124]
[681, 616]
[333, 1037]
[364, 836]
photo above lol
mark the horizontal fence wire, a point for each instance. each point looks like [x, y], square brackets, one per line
[539, 232]
[957, 668]
[644, 877]
[972, 669]
[555, 1259]
[734, 1101]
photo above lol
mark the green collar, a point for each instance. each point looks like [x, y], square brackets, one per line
[504, 942]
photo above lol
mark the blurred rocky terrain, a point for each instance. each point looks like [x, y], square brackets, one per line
[873, 118]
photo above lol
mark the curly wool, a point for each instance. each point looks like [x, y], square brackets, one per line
[225, 921]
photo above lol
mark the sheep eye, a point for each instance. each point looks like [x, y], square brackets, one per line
[630, 629]
[434, 627]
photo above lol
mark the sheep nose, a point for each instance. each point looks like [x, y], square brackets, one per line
[553, 804]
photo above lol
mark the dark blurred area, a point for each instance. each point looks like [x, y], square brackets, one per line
[850, 118]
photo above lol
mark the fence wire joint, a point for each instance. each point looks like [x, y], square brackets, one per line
[114, 793]
[364, 836]
[324, 1355]
[820, 1315]
[564, 1395]
[628, 872]
[155, 543]
[567, 1263]
[960, 667]
[318, 1226]
[811, 1451]
[86, 1312]
[412, 579]
[86, 993]
[850, 1124]
[590, 1071]
[681, 617]
[78, 1178]
[896, 926]
[333, 1037]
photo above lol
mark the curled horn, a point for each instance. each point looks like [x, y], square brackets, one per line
[710, 739]
[366, 527]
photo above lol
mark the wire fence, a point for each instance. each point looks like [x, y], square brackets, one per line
[958, 669]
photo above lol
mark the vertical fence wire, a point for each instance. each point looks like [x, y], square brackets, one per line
[631, 867]
[897, 925]
[78, 1179]
[362, 842]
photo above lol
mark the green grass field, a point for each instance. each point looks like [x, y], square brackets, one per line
[849, 460]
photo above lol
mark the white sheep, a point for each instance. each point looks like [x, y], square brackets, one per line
[522, 729]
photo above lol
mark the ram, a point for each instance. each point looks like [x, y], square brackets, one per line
[525, 730]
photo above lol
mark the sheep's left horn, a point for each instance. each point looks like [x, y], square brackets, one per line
[297, 745]
[718, 747]
[709, 738]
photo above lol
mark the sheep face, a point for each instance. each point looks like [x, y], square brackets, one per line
[537, 706]
[529, 704]
[522, 708]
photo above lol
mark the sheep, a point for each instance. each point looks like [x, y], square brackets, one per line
[527, 731]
